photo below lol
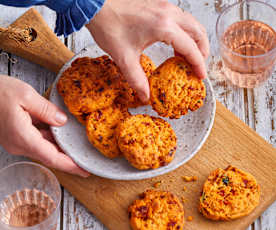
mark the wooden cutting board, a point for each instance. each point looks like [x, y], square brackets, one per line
[230, 142]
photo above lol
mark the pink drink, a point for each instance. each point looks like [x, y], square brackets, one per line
[246, 53]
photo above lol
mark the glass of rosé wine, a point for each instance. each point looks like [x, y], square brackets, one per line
[247, 42]
[30, 197]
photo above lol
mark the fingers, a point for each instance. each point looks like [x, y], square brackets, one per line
[186, 46]
[46, 152]
[191, 26]
[196, 31]
[42, 109]
[47, 134]
[132, 70]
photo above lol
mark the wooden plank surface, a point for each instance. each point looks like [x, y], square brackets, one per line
[255, 107]
[230, 142]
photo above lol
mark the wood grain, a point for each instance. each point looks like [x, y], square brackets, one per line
[230, 142]
[46, 50]
[251, 106]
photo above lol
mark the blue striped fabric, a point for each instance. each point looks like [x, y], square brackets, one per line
[72, 15]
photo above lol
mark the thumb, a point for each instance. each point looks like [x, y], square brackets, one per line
[43, 110]
[135, 75]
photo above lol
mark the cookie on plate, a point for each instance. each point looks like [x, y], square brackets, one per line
[128, 96]
[229, 194]
[83, 118]
[147, 142]
[147, 64]
[89, 84]
[175, 89]
[156, 210]
[100, 129]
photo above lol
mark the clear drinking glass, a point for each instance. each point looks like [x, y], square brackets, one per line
[247, 41]
[30, 197]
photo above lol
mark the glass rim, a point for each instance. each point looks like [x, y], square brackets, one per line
[34, 227]
[228, 8]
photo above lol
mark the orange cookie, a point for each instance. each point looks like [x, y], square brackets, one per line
[229, 194]
[101, 126]
[89, 84]
[175, 89]
[146, 142]
[156, 210]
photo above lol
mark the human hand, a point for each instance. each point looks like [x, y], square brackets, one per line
[124, 28]
[21, 107]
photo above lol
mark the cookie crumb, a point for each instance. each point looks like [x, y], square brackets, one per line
[184, 188]
[206, 3]
[189, 178]
[190, 218]
[183, 199]
[157, 184]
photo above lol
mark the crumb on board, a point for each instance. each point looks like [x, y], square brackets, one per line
[206, 3]
[183, 199]
[157, 184]
[184, 188]
[190, 218]
[189, 178]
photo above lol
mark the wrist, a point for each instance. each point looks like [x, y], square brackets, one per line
[102, 13]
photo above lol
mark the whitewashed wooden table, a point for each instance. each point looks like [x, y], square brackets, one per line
[256, 107]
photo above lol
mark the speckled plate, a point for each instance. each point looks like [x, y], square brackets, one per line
[192, 129]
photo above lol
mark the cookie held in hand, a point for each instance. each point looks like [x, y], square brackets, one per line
[175, 89]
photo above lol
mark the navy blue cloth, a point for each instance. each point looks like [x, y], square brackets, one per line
[72, 15]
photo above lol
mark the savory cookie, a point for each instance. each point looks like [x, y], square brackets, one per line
[147, 64]
[229, 194]
[128, 96]
[82, 118]
[156, 210]
[146, 142]
[175, 89]
[100, 129]
[89, 84]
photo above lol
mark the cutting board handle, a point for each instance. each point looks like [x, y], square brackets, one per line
[46, 49]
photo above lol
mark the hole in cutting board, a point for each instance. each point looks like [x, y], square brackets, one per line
[33, 34]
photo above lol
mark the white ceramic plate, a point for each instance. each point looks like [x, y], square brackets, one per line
[192, 129]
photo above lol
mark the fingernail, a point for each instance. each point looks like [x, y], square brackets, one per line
[84, 174]
[60, 118]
